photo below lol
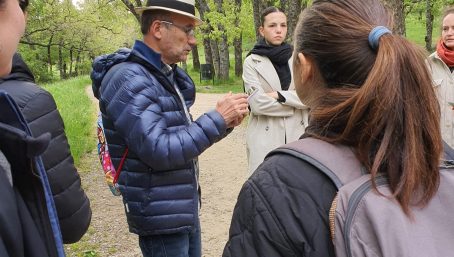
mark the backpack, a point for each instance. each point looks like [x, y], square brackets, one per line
[110, 173]
[365, 223]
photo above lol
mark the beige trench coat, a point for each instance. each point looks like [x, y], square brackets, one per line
[444, 88]
[271, 123]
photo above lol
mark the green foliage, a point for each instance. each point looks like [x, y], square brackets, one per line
[63, 37]
[77, 111]
[247, 21]
[416, 30]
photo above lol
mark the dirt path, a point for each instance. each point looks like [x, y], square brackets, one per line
[223, 171]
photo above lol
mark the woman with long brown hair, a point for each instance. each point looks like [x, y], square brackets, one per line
[368, 90]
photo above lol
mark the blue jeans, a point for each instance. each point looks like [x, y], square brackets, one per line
[172, 245]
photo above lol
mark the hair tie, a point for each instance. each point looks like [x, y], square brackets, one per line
[375, 35]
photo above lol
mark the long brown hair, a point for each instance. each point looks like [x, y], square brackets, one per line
[378, 101]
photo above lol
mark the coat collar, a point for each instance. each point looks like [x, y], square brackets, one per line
[266, 69]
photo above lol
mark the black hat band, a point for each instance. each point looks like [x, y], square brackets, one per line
[176, 5]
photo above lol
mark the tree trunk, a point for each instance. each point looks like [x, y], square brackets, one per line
[195, 59]
[237, 41]
[49, 59]
[256, 8]
[77, 63]
[224, 60]
[215, 55]
[429, 25]
[130, 7]
[284, 5]
[237, 44]
[60, 61]
[208, 53]
[71, 62]
[203, 8]
[397, 6]
[292, 17]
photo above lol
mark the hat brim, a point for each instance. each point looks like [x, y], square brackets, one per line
[140, 10]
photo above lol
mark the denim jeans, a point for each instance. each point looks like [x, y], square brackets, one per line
[172, 245]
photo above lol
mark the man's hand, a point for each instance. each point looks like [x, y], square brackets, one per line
[233, 108]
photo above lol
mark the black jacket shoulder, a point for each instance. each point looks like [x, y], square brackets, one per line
[282, 210]
[40, 111]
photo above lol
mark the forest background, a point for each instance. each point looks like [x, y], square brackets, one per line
[64, 36]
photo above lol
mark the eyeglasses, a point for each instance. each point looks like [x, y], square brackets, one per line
[187, 30]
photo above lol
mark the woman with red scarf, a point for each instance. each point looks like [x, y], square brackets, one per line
[441, 65]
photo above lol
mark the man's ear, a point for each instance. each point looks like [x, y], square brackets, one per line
[155, 29]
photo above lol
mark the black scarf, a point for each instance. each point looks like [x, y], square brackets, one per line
[279, 56]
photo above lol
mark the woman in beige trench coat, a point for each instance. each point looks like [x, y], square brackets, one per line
[277, 115]
[441, 64]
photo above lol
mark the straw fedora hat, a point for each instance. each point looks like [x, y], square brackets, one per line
[183, 7]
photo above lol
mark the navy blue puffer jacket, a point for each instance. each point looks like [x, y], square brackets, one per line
[142, 110]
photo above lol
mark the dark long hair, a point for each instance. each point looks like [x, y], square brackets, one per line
[378, 101]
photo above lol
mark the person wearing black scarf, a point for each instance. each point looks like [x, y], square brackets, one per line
[279, 56]
[277, 115]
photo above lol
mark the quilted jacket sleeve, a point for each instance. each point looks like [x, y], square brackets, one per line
[73, 206]
[148, 117]
[282, 210]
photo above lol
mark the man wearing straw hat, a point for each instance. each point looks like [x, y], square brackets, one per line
[145, 99]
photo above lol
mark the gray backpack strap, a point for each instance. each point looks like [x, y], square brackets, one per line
[337, 162]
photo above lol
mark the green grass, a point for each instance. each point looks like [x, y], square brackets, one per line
[83, 248]
[416, 30]
[234, 84]
[77, 111]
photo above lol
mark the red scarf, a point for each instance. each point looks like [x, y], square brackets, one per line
[446, 54]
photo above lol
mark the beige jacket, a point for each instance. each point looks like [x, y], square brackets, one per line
[444, 88]
[271, 123]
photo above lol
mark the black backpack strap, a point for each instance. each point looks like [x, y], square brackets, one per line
[337, 162]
